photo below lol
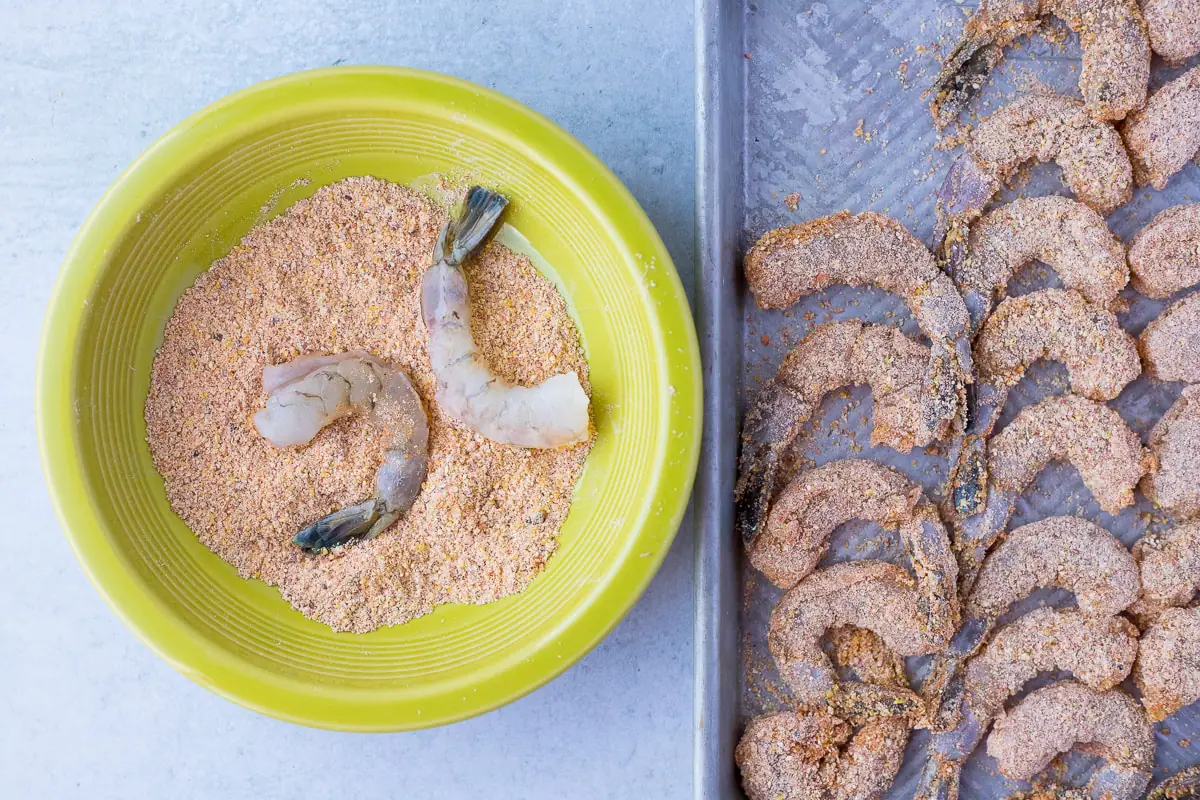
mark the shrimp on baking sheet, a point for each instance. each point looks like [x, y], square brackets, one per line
[1168, 664]
[1060, 552]
[552, 414]
[1183, 785]
[1174, 482]
[1101, 359]
[1165, 135]
[1174, 28]
[1170, 569]
[1170, 344]
[833, 355]
[818, 501]
[1098, 651]
[312, 391]
[1115, 44]
[1052, 720]
[1164, 256]
[813, 753]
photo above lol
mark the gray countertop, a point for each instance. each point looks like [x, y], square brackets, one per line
[86, 710]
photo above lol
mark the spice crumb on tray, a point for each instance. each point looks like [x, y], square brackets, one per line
[341, 271]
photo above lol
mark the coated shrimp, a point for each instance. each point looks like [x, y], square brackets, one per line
[552, 414]
[1170, 344]
[1174, 482]
[1168, 664]
[312, 391]
[1170, 568]
[1164, 256]
[1164, 136]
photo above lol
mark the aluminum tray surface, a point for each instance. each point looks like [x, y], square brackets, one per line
[804, 110]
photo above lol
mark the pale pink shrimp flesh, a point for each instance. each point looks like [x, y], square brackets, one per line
[819, 500]
[1054, 719]
[552, 414]
[311, 392]
[1116, 53]
[831, 356]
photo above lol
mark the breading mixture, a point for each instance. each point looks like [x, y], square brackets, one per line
[341, 271]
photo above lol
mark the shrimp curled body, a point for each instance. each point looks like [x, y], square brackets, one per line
[552, 414]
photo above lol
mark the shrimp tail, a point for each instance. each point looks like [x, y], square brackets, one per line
[859, 703]
[1183, 785]
[339, 527]
[470, 226]
[967, 67]
[939, 780]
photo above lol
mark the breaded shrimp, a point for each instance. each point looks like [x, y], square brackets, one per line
[1164, 256]
[1062, 552]
[788, 263]
[313, 391]
[1108, 455]
[1174, 28]
[817, 501]
[1168, 663]
[1183, 785]
[1058, 231]
[831, 356]
[1170, 566]
[1038, 127]
[1165, 135]
[1116, 53]
[1054, 719]
[1170, 345]
[813, 755]
[1174, 484]
[1101, 359]
[866, 594]
[552, 414]
[1098, 651]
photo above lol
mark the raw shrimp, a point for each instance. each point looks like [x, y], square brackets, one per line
[1058, 231]
[1108, 455]
[813, 755]
[1116, 53]
[833, 355]
[1170, 345]
[1170, 568]
[552, 414]
[1054, 719]
[788, 263]
[1174, 483]
[866, 594]
[1183, 785]
[312, 391]
[1168, 664]
[1164, 256]
[1165, 135]
[1062, 552]
[868, 760]
[1038, 127]
[817, 501]
[1101, 359]
[1174, 27]
[1099, 651]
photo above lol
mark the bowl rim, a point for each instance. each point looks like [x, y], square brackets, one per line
[214, 667]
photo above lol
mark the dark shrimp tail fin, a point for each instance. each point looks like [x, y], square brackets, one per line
[470, 226]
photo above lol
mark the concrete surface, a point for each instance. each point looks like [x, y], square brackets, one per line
[87, 711]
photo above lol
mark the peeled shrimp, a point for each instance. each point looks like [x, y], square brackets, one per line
[773, 755]
[1168, 664]
[1036, 127]
[1058, 231]
[814, 755]
[788, 263]
[1054, 719]
[1165, 135]
[1101, 359]
[552, 414]
[866, 594]
[819, 500]
[1174, 27]
[1098, 651]
[1174, 483]
[310, 392]
[1183, 785]
[833, 355]
[1062, 552]
[1108, 455]
[1164, 256]
[1116, 53]
[1170, 567]
[1170, 345]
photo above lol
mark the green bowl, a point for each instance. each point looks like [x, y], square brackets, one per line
[193, 195]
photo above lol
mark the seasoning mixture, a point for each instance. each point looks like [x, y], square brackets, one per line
[340, 272]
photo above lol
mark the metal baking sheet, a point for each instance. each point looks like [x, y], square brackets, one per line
[805, 109]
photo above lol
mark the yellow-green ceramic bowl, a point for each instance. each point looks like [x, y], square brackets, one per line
[186, 202]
